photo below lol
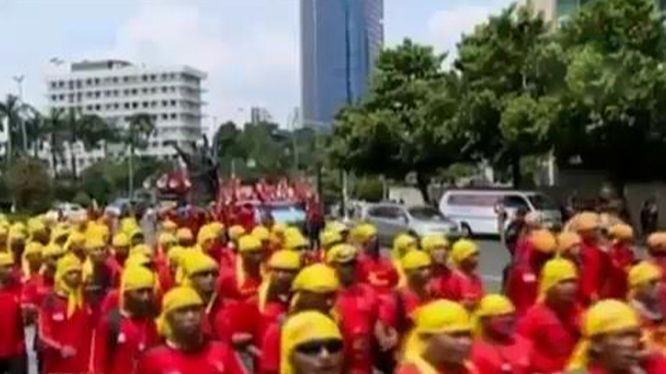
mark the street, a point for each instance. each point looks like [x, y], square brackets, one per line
[492, 261]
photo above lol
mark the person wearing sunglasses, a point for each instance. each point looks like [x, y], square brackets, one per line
[314, 289]
[359, 305]
[311, 343]
[441, 341]
[187, 348]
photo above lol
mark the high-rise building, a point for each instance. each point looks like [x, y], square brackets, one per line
[259, 115]
[115, 90]
[340, 41]
[559, 10]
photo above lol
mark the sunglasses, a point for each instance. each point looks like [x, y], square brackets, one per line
[314, 348]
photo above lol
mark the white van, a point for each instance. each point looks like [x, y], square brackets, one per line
[476, 210]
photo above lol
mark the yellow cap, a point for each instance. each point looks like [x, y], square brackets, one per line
[586, 221]
[415, 260]
[441, 316]
[295, 241]
[94, 243]
[657, 241]
[141, 248]
[621, 231]
[66, 264]
[543, 241]
[278, 228]
[195, 262]
[317, 278]
[6, 259]
[217, 227]
[341, 254]
[261, 233]
[136, 278]
[176, 298]
[433, 241]
[52, 250]
[76, 238]
[235, 232]
[642, 273]
[167, 238]
[128, 225]
[362, 233]
[462, 250]
[554, 272]
[567, 240]
[33, 248]
[120, 240]
[184, 233]
[302, 328]
[206, 234]
[175, 255]
[169, 226]
[285, 259]
[249, 243]
[494, 305]
[336, 226]
[138, 259]
[35, 225]
[327, 238]
[402, 244]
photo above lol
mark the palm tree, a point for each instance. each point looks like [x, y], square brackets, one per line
[140, 128]
[53, 129]
[14, 112]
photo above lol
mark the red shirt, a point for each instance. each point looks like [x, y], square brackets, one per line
[621, 258]
[467, 288]
[270, 350]
[359, 307]
[212, 358]
[35, 290]
[132, 338]
[236, 317]
[553, 337]
[228, 287]
[522, 287]
[12, 338]
[395, 311]
[440, 285]
[412, 369]
[115, 264]
[513, 357]
[594, 271]
[272, 314]
[378, 273]
[57, 330]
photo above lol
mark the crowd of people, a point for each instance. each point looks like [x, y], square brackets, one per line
[262, 300]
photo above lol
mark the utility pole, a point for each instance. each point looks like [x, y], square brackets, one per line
[19, 82]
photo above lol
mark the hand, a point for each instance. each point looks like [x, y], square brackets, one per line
[67, 351]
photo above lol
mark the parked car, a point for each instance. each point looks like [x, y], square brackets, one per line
[419, 220]
[476, 210]
[67, 210]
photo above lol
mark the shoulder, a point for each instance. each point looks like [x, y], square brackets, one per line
[155, 353]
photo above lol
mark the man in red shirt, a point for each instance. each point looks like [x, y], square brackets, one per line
[125, 333]
[358, 303]
[621, 256]
[595, 262]
[187, 348]
[497, 349]
[65, 321]
[119, 254]
[242, 282]
[552, 325]
[441, 341]
[438, 247]
[465, 285]
[373, 268]
[12, 339]
[200, 272]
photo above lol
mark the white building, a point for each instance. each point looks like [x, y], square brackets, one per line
[115, 90]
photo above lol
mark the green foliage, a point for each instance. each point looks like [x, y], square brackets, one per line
[30, 185]
[369, 189]
[107, 179]
[82, 199]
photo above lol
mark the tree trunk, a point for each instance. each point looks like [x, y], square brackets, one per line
[423, 181]
[72, 160]
[516, 172]
[54, 157]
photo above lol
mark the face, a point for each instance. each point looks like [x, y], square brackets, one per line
[208, 245]
[35, 260]
[502, 326]
[564, 292]
[18, 247]
[281, 279]
[253, 258]
[204, 282]
[97, 255]
[72, 279]
[618, 352]
[451, 348]
[439, 255]
[186, 322]
[51, 262]
[137, 239]
[140, 302]
[649, 291]
[420, 276]
[318, 357]
[346, 272]
[321, 302]
[472, 262]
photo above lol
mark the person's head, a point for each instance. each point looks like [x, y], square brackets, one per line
[656, 245]
[342, 257]
[121, 245]
[50, 256]
[403, 244]
[200, 272]
[588, 224]
[17, 243]
[68, 273]
[174, 258]
[96, 250]
[521, 212]
[182, 316]
[418, 268]
[33, 256]
[558, 282]
[166, 241]
[136, 237]
[235, 232]
[294, 240]
[169, 226]
[311, 343]
[644, 282]
[495, 317]
[315, 288]
[365, 237]
[6, 265]
[251, 251]
[611, 338]
[185, 237]
[264, 236]
[76, 244]
[437, 246]
[283, 266]
[568, 245]
[544, 244]
[60, 236]
[442, 334]
[329, 239]
[38, 231]
[465, 255]
[140, 259]
[533, 221]
[137, 290]
[206, 238]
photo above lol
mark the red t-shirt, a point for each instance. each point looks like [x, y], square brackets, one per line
[236, 317]
[522, 287]
[621, 258]
[553, 337]
[395, 311]
[359, 307]
[465, 287]
[378, 273]
[132, 337]
[35, 290]
[270, 350]
[12, 338]
[412, 369]
[57, 330]
[513, 357]
[228, 287]
[594, 272]
[213, 358]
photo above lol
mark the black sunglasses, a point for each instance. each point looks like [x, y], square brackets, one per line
[314, 348]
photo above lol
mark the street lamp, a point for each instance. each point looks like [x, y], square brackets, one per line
[19, 82]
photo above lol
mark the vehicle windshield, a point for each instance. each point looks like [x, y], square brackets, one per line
[285, 213]
[542, 202]
[426, 213]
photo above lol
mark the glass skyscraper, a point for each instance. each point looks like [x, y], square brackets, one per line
[340, 40]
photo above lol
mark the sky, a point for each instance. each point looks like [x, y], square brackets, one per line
[249, 48]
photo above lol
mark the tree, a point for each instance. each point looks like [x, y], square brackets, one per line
[13, 112]
[140, 128]
[406, 123]
[53, 129]
[30, 185]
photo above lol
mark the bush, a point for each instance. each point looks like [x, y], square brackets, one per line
[82, 199]
[369, 189]
[30, 185]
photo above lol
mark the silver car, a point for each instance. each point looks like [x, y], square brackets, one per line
[393, 219]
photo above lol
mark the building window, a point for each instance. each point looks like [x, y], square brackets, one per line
[145, 104]
[173, 102]
[98, 107]
[127, 105]
[144, 77]
[164, 89]
[173, 115]
[135, 105]
[165, 116]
